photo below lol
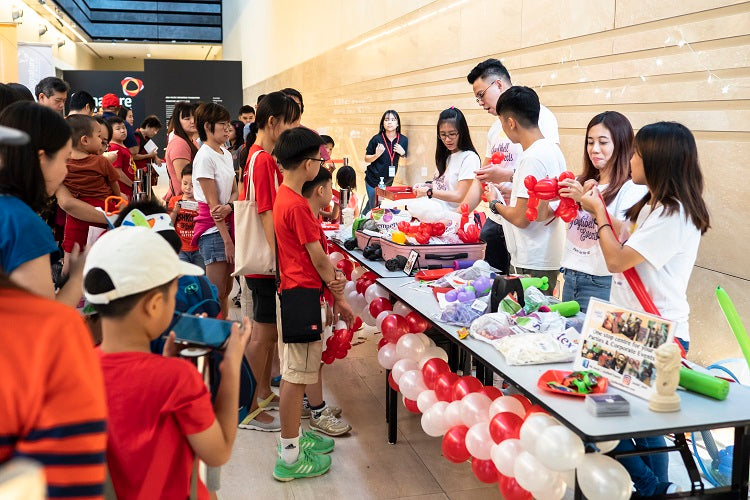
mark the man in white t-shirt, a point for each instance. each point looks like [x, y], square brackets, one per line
[536, 247]
[490, 79]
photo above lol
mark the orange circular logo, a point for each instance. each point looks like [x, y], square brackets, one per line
[131, 86]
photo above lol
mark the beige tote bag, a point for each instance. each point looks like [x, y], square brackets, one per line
[252, 253]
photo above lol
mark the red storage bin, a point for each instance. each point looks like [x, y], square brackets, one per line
[441, 255]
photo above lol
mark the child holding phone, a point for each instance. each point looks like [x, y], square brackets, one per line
[660, 235]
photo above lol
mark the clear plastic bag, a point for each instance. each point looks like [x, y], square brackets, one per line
[493, 326]
[539, 348]
[462, 313]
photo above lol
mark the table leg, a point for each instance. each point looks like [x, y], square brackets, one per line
[741, 461]
[387, 396]
[687, 458]
[392, 405]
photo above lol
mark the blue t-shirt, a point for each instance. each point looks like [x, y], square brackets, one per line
[24, 236]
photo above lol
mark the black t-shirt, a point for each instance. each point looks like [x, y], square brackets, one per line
[379, 167]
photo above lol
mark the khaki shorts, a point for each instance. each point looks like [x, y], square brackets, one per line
[299, 363]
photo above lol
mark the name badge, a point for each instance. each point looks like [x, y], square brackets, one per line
[392, 171]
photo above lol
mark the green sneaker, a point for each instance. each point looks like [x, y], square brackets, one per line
[314, 443]
[308, 464]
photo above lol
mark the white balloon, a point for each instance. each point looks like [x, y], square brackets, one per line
[532, 475]
[374, 291]
[401, 308]
[424, 338]
[558, 448]
[504, 455]
[380, 318]
[603, 478]
[432, 352]
[432, 342]
[335, 257]
[555, 492]
[411, 384]
[507, 403]
[387, 356]
[479, 441]
[607, 446]
[533, 427]
[356, 301]
[426, 400]
[433, 421]
[474, 408]
[569, 476]
[402, 366]
[453, 414]
[409, 346]
[349, 288]
[357, 273]
[367, 317]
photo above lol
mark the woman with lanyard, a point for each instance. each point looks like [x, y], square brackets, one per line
[383, 167]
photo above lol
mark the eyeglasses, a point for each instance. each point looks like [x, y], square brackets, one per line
[226, 125]
[449, 135]
[480, 95]
[321, 160]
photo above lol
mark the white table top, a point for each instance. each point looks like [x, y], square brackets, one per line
[698, 412]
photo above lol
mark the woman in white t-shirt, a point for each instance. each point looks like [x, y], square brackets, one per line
[457, 161]
[606, 164]
[661, 235]
[215, 189]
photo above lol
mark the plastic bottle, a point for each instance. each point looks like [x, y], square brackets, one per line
[381, 185]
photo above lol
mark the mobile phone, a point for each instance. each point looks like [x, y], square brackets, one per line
[203, 332]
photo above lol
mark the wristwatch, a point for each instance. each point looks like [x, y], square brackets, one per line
[492, 207]
[429, 192]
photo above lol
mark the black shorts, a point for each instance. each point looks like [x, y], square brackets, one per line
[264, 299]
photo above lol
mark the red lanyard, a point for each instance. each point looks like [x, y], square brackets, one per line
[391, 153]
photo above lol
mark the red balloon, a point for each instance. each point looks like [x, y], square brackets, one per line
[484, 470]
[392, 382]
[357, 324]
[524, 401]
[346, 266]
[369, 275]
[491, 392]
[331, 342]
[341, 353]
[444, 386]
[432, 369]
[417, 324]
[505, 425]
[535, 409]
[327, 357]
[346, 336]
[411, 405]
[379, 305]
[454, 446]
[466, 385]
[363, 284]
[394, 326]
[383, 341]
[511, 490]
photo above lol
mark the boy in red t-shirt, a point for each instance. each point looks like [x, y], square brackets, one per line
[90, 178]
[160, 414]
[183, 209]
[124, 161]
[303, 267]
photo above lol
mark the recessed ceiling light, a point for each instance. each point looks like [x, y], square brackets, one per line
[148, 55]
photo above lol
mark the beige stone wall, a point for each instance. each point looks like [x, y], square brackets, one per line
[683, 60]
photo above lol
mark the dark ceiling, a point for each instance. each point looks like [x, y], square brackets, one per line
[157, 21]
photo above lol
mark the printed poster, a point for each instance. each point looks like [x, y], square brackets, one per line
[619, 343]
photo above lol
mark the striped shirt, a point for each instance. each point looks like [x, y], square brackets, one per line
[52, 406]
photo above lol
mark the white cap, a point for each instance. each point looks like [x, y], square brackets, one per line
[136, 259]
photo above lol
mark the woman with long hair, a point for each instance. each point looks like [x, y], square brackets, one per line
[457, 161]
[606, 164]
[383, 153]
[661, 234]
[29, 176]
[181, 148]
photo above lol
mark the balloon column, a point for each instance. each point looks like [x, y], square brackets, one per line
[509, 441]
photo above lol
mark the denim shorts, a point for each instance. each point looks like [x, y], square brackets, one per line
[582, 286]
[211, 247]
[194, 257]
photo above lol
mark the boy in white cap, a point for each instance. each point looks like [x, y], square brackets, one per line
[160, 413]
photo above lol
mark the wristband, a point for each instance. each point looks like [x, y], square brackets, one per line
[602, 227]
[429, 193]
[231, 207]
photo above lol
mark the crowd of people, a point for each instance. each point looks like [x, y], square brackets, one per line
[132, 406]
